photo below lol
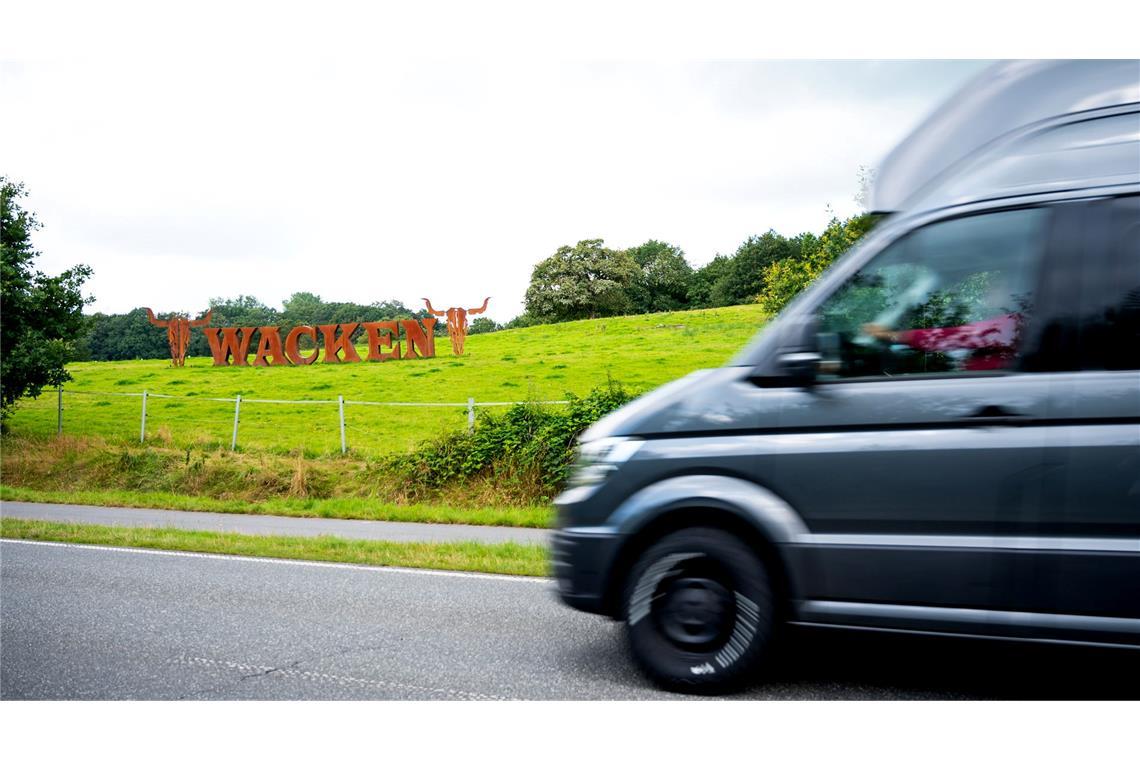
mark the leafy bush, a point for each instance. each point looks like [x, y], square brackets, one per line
[784, 279]
[481, 325]
[527, 449]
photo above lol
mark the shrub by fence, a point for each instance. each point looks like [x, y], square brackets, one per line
[524, 453]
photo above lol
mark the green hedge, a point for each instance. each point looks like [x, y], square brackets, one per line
[527, 448]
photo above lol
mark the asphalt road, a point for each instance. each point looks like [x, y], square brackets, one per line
[270, 525]
[101, 623]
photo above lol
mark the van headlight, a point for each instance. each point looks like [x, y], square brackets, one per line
[599, 459]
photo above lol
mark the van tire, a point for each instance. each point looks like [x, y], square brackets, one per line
[699, 611]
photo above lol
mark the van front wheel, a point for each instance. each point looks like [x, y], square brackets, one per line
[698, 611]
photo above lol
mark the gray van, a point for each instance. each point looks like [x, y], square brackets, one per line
[940, 436]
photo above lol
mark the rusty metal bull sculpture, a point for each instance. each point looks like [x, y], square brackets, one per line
[457, 323]
[178, 333]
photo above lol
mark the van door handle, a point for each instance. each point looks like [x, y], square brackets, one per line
[996, 413]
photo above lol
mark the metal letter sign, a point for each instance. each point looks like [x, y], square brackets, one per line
[230, 346]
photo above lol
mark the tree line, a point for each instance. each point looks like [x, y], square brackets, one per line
[589, 280]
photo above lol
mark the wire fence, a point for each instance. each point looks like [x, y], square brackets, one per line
[368, 424]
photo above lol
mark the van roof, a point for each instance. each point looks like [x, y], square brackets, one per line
[1004, 98]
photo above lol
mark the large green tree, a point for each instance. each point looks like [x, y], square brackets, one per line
[744, 278]
[664, 279]
[581, 282]
[704, 279]
[40, 316]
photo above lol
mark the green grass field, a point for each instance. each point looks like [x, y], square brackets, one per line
[535, 363]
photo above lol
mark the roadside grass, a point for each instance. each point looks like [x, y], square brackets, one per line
[344, 508]
[87, 470]
[503, 559]
[535, 363]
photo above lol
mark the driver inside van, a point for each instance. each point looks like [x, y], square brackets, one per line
[991, 342]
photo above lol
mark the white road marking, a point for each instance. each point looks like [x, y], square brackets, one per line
[275, 561]
[309, 675]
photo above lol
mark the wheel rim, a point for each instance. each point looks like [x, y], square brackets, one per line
[694, 609]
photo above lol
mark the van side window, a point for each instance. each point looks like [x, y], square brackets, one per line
[950, 297]
[1111, 295]
[1093, 290]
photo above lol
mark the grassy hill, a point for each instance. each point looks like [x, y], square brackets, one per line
[536, 363]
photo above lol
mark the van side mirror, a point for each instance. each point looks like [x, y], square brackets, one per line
[795, 361]
[799, 367]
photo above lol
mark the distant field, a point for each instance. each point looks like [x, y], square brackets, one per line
[536, 363]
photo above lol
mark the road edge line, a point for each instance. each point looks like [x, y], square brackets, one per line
[282, 561]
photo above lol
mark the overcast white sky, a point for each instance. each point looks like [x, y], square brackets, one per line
[181, 180]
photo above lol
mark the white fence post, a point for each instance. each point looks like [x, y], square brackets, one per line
[470, 415]
[59, 411]
[142, 428]
[340, 403]
[237, 415]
